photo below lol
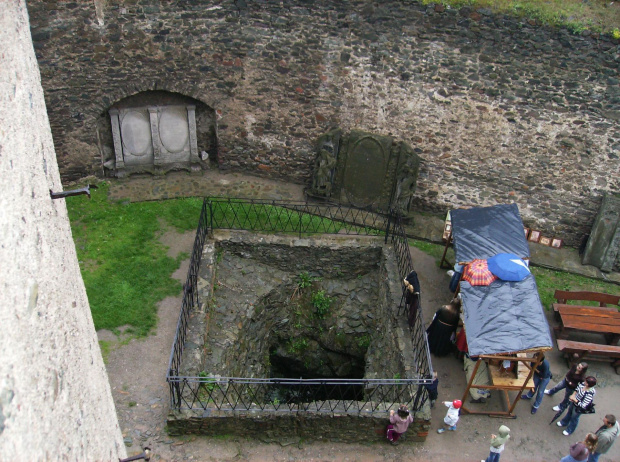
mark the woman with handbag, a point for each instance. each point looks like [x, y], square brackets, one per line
[569, 384]
[581, 402]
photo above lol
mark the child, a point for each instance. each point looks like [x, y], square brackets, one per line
[452, 416]
[432, 389]
[399, 423]
[497, 444]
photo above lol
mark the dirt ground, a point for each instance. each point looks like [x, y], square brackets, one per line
[137, 373]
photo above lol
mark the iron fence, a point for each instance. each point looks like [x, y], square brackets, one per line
[352, 396]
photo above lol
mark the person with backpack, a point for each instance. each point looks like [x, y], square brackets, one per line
[581, 402]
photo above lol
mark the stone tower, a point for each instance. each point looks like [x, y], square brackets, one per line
[55, 400]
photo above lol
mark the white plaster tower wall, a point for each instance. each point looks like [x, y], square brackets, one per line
[55, 399]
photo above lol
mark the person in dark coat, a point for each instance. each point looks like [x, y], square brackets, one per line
[412, 296]
[569, 383]
[542, 375]
[433, 392]
[443, 327]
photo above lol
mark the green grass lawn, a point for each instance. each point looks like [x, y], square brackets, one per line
[124, 266]
[576, 15]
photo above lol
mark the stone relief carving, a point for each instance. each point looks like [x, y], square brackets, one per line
[365, 170]
[603, 246]
[406, 179]
[325, 164]
[153, 136]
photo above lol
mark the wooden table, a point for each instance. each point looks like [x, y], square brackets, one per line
[592, 319]
[509, 380]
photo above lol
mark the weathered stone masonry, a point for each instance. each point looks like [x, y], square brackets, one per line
[500, 109]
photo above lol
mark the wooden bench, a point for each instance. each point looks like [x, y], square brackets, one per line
[576, 351]
[563, 296]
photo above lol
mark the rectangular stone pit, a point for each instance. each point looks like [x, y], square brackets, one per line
[280, 307]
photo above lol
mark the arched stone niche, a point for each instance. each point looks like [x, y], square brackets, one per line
[155, 132]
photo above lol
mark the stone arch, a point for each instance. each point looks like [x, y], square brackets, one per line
[155, 130]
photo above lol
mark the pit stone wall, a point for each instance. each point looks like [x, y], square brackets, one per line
[500, 109]
[244, 290]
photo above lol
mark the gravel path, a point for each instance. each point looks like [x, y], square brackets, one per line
[137, 376]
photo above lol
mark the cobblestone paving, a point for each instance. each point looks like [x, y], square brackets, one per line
[201, 184]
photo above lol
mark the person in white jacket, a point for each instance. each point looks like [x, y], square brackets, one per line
[452, 416]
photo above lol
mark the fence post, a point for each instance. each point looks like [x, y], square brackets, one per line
[210, 219]
[387, 227]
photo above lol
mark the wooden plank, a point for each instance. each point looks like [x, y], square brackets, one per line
[588, 310]
[591, 324]
[588, 347]
[508, 380]
[590, 351]
[602, 298]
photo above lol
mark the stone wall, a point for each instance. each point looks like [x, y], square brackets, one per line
[55, 399]
[500, 109]
[291, 428]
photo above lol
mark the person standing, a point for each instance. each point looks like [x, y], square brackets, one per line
[432, 389]
[542, 375]
[399, 423]
[452, 416]
[569, 383]
[607, 435]
[580, 402]
[497, 444]
[578, 453]
[443, 327]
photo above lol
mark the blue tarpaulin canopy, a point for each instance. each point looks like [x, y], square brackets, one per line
[505, 316]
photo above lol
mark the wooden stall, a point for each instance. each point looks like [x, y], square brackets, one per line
[504, 319]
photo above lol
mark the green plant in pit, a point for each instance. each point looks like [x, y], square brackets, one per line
[275, 402]
[208, 385]
[304, 280]
[397, 376]
[364, 341]
[296, 346]
[321, 303]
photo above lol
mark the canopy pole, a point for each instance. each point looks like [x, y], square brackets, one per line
[445, 251]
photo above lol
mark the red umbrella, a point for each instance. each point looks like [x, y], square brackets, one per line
[477, 273]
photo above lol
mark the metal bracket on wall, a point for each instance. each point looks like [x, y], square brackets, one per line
[73, 192]
[146, 455]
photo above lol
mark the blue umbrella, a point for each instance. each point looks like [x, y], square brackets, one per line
[508, 267]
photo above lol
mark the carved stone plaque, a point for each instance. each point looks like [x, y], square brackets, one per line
[365, 170]
[154, 135]
[603, 247]
[135, 130]
[364, 176]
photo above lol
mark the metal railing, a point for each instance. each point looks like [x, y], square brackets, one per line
[352, 396]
